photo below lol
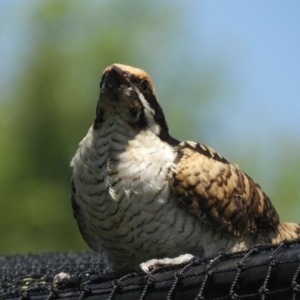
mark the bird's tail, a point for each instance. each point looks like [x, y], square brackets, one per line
[286, 231]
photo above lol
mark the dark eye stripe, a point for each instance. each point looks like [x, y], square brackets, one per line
[159, 116]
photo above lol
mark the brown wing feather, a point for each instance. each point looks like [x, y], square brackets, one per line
[220, 193]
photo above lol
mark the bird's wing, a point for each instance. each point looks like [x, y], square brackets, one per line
[80, 218]
[220, 193]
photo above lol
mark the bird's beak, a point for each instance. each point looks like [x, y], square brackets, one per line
[120, 72]
[115, 68]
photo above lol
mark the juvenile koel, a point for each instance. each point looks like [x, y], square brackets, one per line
[139, 194]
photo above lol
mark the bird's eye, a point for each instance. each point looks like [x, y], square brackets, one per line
[145, 85]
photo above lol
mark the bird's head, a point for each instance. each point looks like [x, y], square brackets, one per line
[127, 94]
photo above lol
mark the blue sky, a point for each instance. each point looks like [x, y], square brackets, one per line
[259, 42]
[256, 42]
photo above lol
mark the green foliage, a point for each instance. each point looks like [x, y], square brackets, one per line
[286, 192]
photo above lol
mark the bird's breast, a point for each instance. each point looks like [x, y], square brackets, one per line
[130, 212]
[123, 189]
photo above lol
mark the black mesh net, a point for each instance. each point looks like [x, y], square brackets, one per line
[263, 272]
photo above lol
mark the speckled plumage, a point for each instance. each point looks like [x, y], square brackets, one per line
[139, 194]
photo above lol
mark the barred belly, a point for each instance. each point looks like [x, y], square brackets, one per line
[129, 209]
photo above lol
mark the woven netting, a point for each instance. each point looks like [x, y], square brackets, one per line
[263, 272]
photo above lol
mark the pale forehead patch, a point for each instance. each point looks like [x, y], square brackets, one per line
[135, 71]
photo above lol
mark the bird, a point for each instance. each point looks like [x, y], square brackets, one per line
[143, 198]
